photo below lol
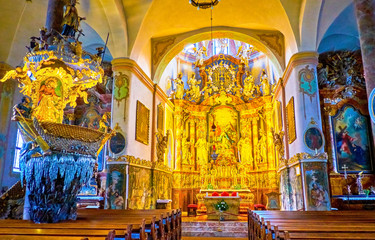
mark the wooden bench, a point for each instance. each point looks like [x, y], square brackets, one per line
[311, 225]
[96, 224]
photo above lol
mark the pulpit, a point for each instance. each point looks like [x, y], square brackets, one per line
[232, 211]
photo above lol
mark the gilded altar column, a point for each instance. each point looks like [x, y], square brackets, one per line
[255, 142]
[365, 14]
[270, 145]
[192, 142]
[179, 132]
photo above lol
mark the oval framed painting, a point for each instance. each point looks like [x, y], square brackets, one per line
[313, 138]
[117, 143]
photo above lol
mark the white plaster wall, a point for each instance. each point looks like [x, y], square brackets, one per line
[302, 105]
[138, 92]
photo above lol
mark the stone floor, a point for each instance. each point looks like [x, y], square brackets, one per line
[200, 228]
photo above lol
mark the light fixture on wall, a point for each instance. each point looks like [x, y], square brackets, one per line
[204, 3]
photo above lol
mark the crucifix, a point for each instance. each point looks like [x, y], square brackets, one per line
[345, 168]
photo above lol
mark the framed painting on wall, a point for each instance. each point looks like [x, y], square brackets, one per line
[351, 135]
[142, 123]
[291, 121]
[313, 138]
[160, 118]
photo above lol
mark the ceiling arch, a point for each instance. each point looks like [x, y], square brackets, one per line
[166, 48]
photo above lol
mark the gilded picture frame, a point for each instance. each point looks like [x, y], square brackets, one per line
[142, 123]
[160, 118]
[291, 121]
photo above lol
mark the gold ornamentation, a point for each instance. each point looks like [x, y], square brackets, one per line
[274, 41]
[55, 83]
[161, 145]
[142, 123]
[291, 121]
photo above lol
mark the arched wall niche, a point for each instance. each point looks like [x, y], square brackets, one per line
[164, 49]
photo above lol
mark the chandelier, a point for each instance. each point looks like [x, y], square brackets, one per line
[204, 3]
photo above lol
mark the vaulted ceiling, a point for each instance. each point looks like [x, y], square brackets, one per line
[306, 24]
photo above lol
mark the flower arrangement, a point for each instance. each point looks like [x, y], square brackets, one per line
[221, 206]
[209, 186]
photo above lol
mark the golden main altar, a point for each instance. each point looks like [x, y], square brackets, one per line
[225, 135]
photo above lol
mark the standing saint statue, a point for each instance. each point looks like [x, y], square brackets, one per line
[179, 93]
[71, 20]
[249, 85]
[194, 91]
[186, 151]
[244, 146]
[266, 86]
[202, 150]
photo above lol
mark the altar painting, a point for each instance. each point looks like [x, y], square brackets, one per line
[115, 189]
[316, 182]
[351, 140]
[140, 189]
[223, 134]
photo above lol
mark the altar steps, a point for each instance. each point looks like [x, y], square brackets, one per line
[232, 229]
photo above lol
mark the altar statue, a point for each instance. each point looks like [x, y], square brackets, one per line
[266, 86]
[244, 146]
[249, 85]
[261, 149]
[71, 20]
[186, 152]
[194, 91]
[244, 54]
[202, 150]
[179, 94]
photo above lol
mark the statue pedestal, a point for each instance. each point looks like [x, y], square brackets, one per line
[230, 214]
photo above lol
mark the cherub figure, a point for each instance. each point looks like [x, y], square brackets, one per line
[200, 56]
[20, 74]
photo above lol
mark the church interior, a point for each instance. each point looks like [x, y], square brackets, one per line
[188, 119]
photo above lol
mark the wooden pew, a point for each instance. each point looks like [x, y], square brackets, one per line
[308, 225]
[98, 224]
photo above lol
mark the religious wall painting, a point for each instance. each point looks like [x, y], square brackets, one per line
[140, 188]
[277, 112]
[160, 118]
[296, 187]
[291, 121]
[117, 143]
[142, 123]
[371, 105]
[116, 186]
[121, 90]
[316, 186]
[352, 144]
[313, 139]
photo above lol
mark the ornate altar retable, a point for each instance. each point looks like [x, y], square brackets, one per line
[231, 213]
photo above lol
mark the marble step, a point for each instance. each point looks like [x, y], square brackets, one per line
[214, 229]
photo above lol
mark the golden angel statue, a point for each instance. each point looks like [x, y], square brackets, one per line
[20, 74]
[200, 56]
